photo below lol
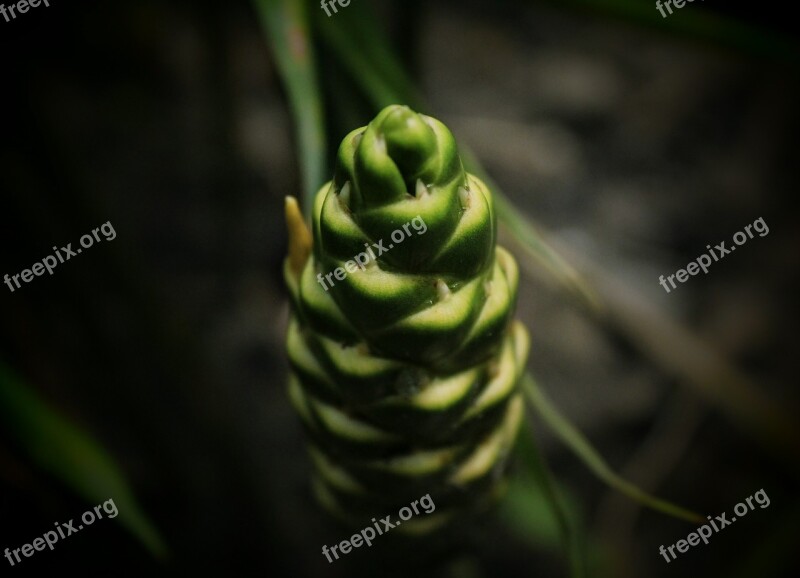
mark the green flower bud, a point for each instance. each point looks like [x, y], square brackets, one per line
[405, 359]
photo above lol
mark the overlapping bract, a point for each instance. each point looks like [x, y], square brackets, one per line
[405, 371]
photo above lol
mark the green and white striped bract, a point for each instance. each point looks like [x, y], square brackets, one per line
[405, 373]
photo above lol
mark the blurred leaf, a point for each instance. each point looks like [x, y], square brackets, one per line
[376, 70]
[692, 361]
[285, 24]
[70, 455]
[530, 515]
[581, 447]
[702, 24]
[540, 511]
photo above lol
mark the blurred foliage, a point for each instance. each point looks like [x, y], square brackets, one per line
[286, 24]
[699, 23]
[64, 451]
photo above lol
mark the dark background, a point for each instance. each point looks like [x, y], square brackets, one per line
[634, 146]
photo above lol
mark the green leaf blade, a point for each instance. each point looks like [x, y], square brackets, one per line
[70, 455]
